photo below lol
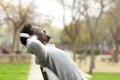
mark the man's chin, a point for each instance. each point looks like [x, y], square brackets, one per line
[48, 39]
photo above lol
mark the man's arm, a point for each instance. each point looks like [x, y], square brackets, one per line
[38, 49]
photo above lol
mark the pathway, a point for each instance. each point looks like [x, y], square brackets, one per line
[35, 72]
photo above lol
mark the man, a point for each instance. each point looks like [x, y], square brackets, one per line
[36, 40]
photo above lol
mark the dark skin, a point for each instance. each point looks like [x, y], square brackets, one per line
[41, 34]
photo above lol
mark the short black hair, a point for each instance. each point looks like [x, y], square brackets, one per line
[26, 29]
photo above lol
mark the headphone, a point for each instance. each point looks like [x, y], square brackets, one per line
[25, 35]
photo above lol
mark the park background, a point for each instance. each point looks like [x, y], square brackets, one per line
[88, 30]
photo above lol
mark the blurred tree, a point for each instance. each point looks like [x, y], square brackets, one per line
[113, 22]
[54, 32]
[16, 14]
[73, 29]
[82, 8]
[92, 27]
[82, 38]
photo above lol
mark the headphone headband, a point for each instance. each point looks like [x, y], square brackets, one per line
[25, 35]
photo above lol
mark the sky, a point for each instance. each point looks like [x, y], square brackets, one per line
[54, 9]
[50, 8]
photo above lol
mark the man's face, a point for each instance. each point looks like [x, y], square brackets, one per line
[41, 34]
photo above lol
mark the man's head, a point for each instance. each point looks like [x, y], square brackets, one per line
[33, 30]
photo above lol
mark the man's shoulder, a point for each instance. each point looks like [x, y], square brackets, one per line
[51, 45]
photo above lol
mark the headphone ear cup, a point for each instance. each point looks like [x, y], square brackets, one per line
[23, 40]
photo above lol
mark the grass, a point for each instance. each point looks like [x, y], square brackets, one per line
[14, 71]
[20, 72]
[105, 76]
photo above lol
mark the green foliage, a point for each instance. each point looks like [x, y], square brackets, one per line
[73, 33]
[84, 38]
[54, 32]
[14, 71]
[81, 50]
[64, 38]
[113, 21]
[105, 76]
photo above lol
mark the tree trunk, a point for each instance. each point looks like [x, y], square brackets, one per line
[13, 42]
[115, 53]
[92, 63]
[74, 52]
[17, 39]
[92, 57]
[13, 49]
